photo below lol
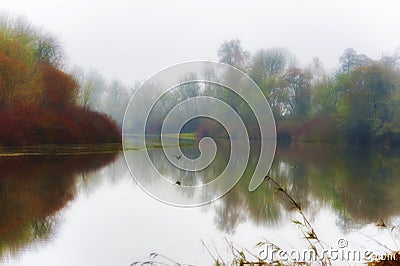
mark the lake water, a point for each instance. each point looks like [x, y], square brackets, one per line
[88, 210]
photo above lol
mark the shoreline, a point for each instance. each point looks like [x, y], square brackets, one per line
[60, 149]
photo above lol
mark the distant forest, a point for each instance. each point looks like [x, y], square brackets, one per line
[357, 103]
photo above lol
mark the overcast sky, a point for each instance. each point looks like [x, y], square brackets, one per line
[130, 40]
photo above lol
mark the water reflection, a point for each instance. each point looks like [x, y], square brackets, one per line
[357, 187]
[360, 186]
[32, 191]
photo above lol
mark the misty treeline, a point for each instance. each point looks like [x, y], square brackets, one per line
[358, 102]
[38, 98]
[96, 93]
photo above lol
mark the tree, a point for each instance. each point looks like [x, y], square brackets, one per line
[391, 61]
[366, 106]
[266, 69]
[353, 119]
[350, 60]
[323, 90]
[115, 100]
[48, 49]
[325, 95]
[17, 63]
[38, 100]
[86, 93]
[317, 71]
[297, 83]
[231, 53]
[59, 89]
[269, 62]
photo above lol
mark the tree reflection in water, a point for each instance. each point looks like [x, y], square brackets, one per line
[33, 189]
[360, 186]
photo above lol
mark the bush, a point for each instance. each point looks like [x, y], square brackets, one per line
[317, 129]
[31, 125]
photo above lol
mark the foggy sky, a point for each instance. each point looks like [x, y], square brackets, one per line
[130, 40]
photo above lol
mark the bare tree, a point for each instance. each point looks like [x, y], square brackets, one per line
[232, 53]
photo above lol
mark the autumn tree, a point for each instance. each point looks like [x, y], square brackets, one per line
[38, 99]
[59, 89]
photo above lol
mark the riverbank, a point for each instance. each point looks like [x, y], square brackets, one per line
[55, 149]
[327, 130]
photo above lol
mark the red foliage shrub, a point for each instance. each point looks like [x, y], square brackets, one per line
[52, 117]
[60, 89]
[31, 125]
[319, 129]
[286, 127]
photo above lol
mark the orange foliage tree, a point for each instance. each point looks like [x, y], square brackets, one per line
[37, 98]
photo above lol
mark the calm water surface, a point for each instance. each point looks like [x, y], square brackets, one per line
[87, 210]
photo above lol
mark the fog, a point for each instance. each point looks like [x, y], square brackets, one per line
[130, 40]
